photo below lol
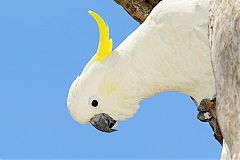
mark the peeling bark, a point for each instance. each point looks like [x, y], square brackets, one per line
[139, 10]
[224, 36]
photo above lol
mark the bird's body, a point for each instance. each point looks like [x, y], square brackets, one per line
[168, 52]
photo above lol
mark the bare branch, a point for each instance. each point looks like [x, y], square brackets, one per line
[138, 9]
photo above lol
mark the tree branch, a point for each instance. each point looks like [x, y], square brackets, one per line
[224, 36]
[138, 9]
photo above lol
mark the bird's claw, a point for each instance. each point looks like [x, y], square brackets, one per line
[207, 113]
[204, 115]
[202, 106]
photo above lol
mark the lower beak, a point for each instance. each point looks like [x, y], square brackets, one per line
[103, 122]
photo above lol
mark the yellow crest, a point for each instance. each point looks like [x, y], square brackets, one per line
[105, 42]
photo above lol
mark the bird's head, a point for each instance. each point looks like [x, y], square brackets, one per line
[98, 96]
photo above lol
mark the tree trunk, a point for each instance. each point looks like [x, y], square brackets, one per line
[224, 36]
[139, 10]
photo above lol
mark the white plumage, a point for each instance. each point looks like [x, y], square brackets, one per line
[168, 52]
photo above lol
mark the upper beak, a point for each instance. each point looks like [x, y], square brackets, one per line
[103, 122]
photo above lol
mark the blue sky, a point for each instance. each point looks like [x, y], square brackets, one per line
[44, 45]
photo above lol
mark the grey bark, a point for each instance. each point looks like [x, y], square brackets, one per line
[224, 36]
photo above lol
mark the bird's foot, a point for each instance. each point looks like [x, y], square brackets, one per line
[204, 114]
[207, 113]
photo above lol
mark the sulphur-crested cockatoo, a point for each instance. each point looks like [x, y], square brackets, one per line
[168, 52]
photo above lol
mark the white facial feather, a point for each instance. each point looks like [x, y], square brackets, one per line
[102, 81]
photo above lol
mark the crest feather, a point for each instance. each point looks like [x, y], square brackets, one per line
[105, 42]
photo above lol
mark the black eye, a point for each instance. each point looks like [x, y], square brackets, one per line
[94, 103]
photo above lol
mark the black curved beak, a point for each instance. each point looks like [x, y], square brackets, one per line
[103, 122]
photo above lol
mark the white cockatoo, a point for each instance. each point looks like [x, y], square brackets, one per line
[168, 52]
